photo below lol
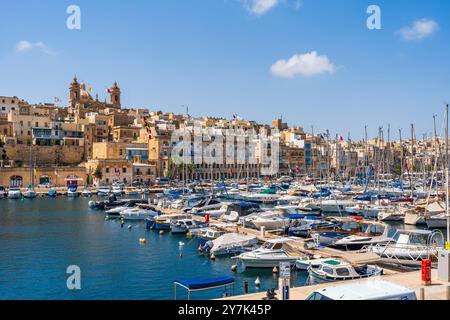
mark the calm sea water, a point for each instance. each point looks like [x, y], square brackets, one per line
[40, 238]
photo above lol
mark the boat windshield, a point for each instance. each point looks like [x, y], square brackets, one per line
[273, 246]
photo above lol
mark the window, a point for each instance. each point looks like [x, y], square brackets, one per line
[327, 270]
[124, 170]
[343, 272]
[107, 170]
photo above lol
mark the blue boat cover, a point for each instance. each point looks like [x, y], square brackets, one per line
[204, 283]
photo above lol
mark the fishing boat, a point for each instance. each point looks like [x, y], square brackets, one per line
[14, 193]
[185, 225]
[269, 255]
[410, 247]
[230, 243]
[72, 191]
[337, 270]
[30, 193]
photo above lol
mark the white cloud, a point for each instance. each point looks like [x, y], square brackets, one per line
[24, 46]
[260, 7]
[419, 30]
[308, 64]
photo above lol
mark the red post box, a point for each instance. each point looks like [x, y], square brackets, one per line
[426, 272]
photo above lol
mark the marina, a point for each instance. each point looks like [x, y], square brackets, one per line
[168, 228]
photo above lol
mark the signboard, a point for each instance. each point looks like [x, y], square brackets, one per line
[285, 270]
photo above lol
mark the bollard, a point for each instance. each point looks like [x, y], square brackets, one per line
[422, 293]
[263, 232]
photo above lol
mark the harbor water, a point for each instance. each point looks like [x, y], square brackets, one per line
[40, 238]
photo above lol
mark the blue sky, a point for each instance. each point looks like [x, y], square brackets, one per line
[217, 55]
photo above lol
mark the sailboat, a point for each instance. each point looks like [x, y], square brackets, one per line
[30, 193]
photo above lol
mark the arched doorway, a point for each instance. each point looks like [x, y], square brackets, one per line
[16, 181]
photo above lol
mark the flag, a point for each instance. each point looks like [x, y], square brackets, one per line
[89, 88]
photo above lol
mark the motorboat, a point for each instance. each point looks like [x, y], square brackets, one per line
[86, 193]
[117, 190]
[138, 213]
[239, 209]
[265, 198]
[335, 206]
[269, 255]
[362, 209]
[372, 233]
[185, 225]
[30, 193]
[337, 270]
[14, 193]
[230, 243]
[305, 263]
[438, 221]
[72, 191]
[163, 222]
[304, 227]
[208, 234]
[410, 247]
[103, 191]
[205, 205]
[115, 211]
[392, 214]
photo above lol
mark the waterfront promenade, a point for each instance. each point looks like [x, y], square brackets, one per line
[437, 291]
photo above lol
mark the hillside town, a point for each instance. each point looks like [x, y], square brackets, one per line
[93, 142]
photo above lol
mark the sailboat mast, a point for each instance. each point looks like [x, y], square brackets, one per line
[446, 174]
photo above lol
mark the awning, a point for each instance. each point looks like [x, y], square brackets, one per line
[204, 283]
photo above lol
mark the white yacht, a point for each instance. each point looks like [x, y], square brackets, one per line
[14, 193]
[409, 247]
[335, 206]
[137, 213]
[103, 191]
[269, 255]
[30, 193]
[270, 221]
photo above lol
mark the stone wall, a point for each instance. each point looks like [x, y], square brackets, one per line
[58, 176]
[45, 155]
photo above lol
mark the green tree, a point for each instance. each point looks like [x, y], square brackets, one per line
[98, 173]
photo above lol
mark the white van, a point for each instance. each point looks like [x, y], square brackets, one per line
[367, 290]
